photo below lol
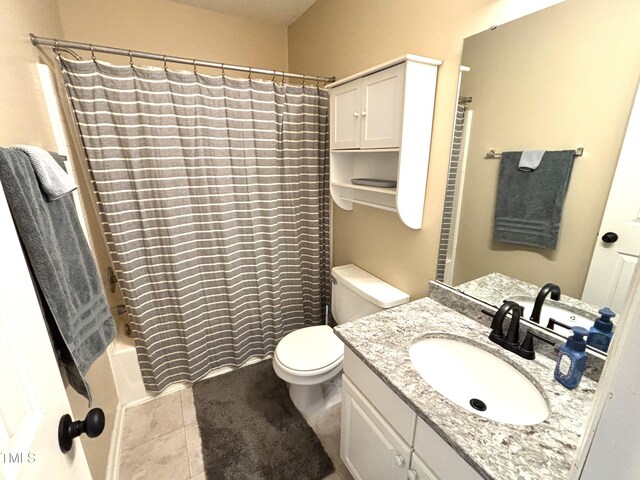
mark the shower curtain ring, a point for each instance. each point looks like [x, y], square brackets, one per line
[273, 79]
[56, 49]
[250, 68]
[283, 80]
[93, 54]
[317, 82]
[164, 62]
[304, 80]
[195, 67]
[223, 70]
[130, 59]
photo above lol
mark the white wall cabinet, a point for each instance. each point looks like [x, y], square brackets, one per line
[380, 124]
[383, 439]
[367, 112]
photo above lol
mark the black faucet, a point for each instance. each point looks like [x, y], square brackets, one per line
[497, 333]
[549, 288]
[510, 342]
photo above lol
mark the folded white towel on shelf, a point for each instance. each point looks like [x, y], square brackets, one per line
[53, 180]
[530, 160]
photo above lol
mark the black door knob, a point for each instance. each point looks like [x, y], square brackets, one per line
[610, 237]
[92, 425]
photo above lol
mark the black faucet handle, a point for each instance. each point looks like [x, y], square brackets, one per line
[526, 349]
[513, 334]
[553, 322]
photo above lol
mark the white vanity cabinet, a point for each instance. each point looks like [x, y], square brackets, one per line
[383, 439]
[380, 127]
[370, 448]
[419, 470]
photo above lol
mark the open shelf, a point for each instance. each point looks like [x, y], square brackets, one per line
[384, 191]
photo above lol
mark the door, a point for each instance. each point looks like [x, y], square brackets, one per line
[369, 446]
[32, 396]
[382, 108]
[345, 115]
[618, 247]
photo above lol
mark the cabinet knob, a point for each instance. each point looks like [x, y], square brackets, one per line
[364, 113]
[412, 475]
[356, 114]
[399, 460]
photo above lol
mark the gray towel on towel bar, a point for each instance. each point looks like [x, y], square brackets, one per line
[62, 266]
[53, 179]
[529, 204]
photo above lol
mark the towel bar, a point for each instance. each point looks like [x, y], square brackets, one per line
[494, 154]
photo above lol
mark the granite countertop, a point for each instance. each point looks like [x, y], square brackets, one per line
[491, 289]
[496, 450]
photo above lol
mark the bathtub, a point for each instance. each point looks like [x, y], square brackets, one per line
[126, 371]
[128, 379]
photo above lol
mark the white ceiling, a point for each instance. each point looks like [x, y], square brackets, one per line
[280, 12]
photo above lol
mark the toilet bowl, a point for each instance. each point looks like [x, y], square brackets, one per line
[310, 359]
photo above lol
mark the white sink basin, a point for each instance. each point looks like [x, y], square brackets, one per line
[468, 375]
[549, 310]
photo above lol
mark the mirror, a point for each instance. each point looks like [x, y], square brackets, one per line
[561, 78]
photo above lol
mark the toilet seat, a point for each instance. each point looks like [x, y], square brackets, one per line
[309, 351]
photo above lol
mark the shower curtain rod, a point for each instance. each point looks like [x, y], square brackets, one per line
[64, 44]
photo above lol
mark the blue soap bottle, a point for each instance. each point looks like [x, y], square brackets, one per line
[602, 331]
[572, 359]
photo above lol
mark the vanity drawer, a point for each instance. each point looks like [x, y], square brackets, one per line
[443, 460]
[394, 410]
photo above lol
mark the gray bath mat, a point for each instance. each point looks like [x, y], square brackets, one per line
[251, 431]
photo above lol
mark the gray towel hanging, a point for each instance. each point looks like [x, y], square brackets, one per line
[529, 204]
[62, 266]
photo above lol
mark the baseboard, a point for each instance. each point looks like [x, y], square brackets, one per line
[114, 450]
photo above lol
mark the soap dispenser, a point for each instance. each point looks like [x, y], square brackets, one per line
[572, 359]
[601, 332]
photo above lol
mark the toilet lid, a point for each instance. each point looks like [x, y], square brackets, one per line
[310, 348]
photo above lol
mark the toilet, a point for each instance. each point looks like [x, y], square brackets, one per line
[310, 359]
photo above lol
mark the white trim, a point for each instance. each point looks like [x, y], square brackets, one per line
[382, 66]
[616, 372]
[113, 461]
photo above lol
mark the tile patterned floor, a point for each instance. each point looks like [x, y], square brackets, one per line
[161, 440]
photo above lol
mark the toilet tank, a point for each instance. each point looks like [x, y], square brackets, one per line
[356, 293]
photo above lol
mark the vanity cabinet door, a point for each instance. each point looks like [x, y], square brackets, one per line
[370, 448]
[382, 108]
[419, 470]
[346, 115]
[443, 462]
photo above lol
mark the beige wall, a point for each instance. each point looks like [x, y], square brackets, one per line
[560, 78]
[166, 27]
[23, 113]
[337, 37]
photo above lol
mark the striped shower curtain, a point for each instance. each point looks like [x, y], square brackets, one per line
[213, 196]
